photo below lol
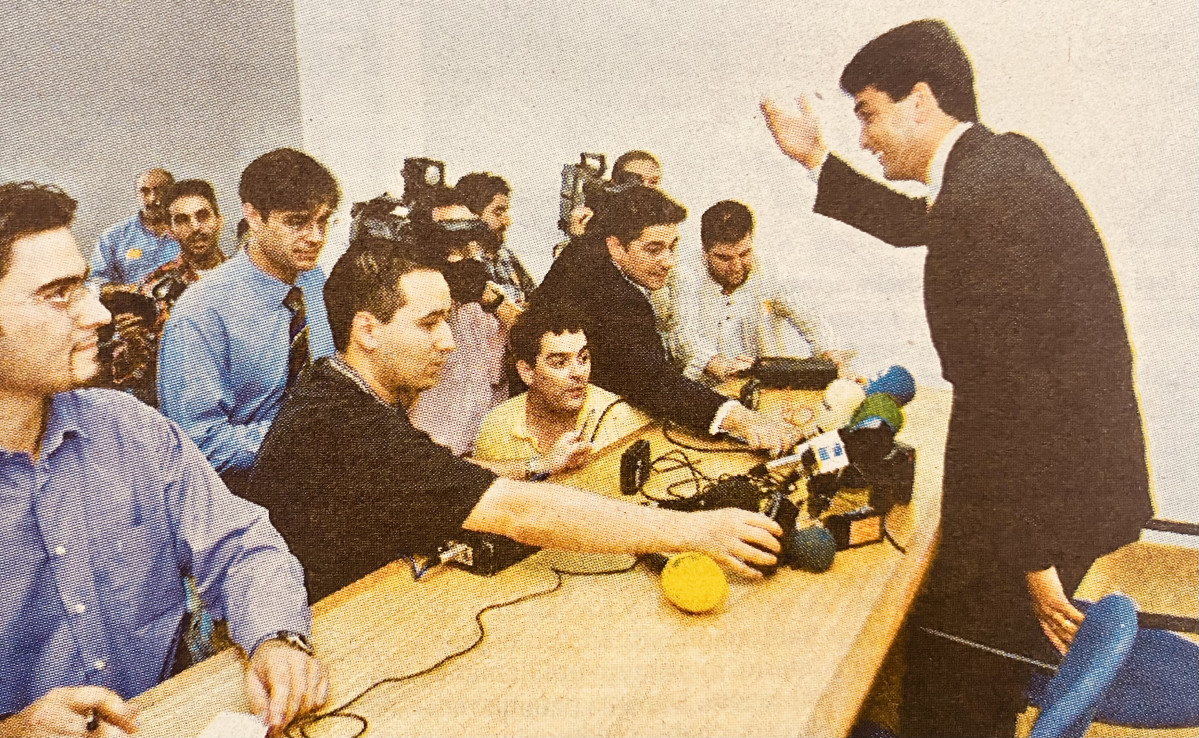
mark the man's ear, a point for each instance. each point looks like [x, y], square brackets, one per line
[364, 331]
[926, 101]
[252, 216]
[525, 371]
[615, 248]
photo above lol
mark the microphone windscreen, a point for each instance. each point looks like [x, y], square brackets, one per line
[693, 582]
[897, 382]
[880, 407]
[868, 444]
[842, 397]
[813, 549]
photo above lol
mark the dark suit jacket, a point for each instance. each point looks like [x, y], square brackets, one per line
[627, 355]
[1046, 459]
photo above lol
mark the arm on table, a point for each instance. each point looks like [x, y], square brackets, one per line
[245, 572]
[542, 514]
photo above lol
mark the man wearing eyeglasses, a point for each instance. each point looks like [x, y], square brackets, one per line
[238, 338]
[103, 505]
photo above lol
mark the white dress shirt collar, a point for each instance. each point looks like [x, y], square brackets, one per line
[936, 168]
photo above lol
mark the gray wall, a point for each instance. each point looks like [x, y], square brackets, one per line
[96, 92]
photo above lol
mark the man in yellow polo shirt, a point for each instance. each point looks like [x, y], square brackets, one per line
[562, 418]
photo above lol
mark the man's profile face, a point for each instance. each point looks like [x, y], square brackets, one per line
[647, 259]
[289, 241]
[730, 264]
[195, 224]
[648, 171]
[561, 373]
[152, 188]
[496, 216]
[416, 342]
[48, 318]
[889, 132]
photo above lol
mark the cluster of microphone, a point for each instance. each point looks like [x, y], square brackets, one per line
[860, 453]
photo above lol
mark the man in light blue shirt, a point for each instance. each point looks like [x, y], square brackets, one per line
[130, 250]
[236, 339]
[104, 506]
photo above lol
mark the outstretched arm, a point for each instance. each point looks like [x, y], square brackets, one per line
[569, 518]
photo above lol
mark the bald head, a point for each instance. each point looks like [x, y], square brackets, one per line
[152, 186]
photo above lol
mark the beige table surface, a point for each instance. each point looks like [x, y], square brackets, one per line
[607, 655]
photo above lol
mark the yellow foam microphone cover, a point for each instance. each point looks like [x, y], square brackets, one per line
[693, 582]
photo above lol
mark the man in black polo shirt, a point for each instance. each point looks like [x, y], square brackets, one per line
[352, 485]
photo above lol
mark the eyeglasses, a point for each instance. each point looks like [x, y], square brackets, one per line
[68, 297]
[300, 223]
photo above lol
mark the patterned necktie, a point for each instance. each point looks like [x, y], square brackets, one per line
[298, 357]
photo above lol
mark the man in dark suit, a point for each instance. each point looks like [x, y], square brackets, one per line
[606, 275]
[1045, 465]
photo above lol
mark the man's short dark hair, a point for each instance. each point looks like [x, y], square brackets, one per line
[192, 187]
[921, 51]
[620, 175]
[553, 318]
[288, 180]
[629, 212]
[478, 189]
[728, 221]
[29, 208]
[366, 279]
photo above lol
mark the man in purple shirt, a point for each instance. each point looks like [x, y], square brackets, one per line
[104, 506]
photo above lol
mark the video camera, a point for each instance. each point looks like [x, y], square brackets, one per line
[583, 185]
[386, 215]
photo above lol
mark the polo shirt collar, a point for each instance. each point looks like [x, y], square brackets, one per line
[338, 363]
[520, 426]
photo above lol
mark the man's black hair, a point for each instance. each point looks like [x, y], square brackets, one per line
[620, 175]
[29, 208]
[728, 221]
[288, 180]
[366, 279]
[629, 212]
[554, 318]
[921, 51]
[478, 189]
[189, 187]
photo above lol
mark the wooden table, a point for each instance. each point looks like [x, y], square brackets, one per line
[607, 655]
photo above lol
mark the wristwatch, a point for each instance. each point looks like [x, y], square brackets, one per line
[298, 641]
[533, 473]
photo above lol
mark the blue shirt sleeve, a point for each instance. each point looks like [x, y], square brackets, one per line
[193, 391]
[243, 568]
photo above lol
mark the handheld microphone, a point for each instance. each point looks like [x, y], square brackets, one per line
[895, 381]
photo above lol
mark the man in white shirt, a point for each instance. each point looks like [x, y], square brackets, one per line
[726, 312]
